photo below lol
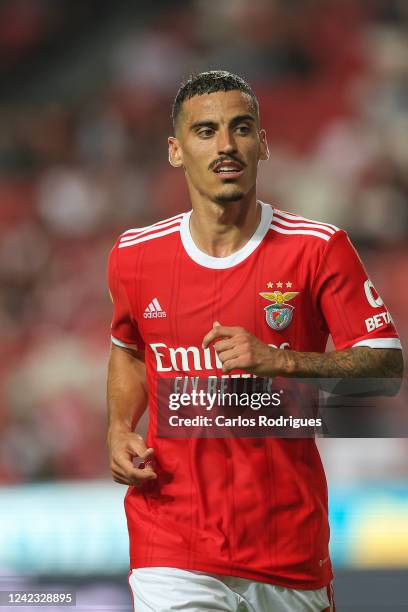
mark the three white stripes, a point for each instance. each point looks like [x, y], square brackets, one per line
[293, 217]
[150, 236]
[154, 306]
[301, 226]
[148, 227]
[295, 225]
[144, 230]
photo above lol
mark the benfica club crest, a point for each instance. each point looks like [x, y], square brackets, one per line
[279, 314]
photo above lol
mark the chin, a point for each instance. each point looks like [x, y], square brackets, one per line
[230, 196]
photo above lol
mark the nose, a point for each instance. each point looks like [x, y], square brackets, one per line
[226, 142]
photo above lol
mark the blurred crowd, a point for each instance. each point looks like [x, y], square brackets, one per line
[332, 81]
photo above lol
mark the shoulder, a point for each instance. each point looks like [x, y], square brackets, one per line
[130, 245]
[149, 233]
[295, 228]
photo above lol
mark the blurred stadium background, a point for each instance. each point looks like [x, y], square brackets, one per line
[86, 90]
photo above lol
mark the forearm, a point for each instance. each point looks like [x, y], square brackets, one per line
[239, 349]
[126, 389]
[384, 365]
[127, 400]
[359, 362]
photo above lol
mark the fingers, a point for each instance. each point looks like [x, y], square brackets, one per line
[220, 331]
[236, 348]
[120, 480]
[227, 348]
[123, 448]
[228, 355]
[231, 364]
[124, 472]
[224, 345]
[230, 359]
[136, 446]
[134, 481]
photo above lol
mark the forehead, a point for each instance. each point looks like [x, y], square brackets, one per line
[220, 106]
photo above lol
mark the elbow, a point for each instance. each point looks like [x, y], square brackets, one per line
[395, 374]
[393, 387]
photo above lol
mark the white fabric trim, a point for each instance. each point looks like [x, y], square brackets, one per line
[221, 263]
[303, 224]
[294, 217]
[295, 232]
[390, 343]
[149, 237]
[154, 225]
[123, 344]
[151, 228]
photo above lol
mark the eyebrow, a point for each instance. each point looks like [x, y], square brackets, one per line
[213, 124]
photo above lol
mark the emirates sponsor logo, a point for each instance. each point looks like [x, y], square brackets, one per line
[154, 310]
[187, 358]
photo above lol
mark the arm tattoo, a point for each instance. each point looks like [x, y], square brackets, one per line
[359, 362]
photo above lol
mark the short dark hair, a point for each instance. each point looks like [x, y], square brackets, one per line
[210, 82]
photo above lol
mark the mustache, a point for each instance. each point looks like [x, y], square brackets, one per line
[230, 158]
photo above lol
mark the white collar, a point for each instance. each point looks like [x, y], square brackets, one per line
[221, 263]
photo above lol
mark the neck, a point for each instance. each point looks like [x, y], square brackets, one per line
[222, 229]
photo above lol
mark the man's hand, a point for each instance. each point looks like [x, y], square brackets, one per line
[123, 446]
[237, 349]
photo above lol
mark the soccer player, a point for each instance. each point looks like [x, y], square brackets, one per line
[235, 287]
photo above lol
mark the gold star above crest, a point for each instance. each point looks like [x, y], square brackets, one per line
[270, 285]
[279, 284]
[289, 285]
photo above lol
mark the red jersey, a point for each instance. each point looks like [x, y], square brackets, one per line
[253, 508]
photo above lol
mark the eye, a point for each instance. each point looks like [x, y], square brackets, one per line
[243, 129]
[205, 132]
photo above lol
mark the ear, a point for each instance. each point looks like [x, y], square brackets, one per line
[264, 150]
[175, 153]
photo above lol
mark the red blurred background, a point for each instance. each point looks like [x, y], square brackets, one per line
[85, 98]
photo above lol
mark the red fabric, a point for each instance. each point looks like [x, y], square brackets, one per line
[341, 297]
[253, 508]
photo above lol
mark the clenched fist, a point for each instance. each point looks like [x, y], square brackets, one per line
[123, 446]
[237, 349]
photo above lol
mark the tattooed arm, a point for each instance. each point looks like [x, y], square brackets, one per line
[238, 349]
[382, 368]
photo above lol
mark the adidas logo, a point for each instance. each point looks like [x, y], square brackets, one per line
[154, 310]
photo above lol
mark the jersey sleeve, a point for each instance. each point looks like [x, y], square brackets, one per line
[124, 329]
[351, 309]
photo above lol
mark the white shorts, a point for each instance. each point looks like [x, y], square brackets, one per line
[163, 589]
